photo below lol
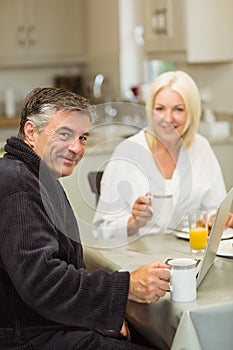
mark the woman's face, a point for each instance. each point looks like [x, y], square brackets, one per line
[170, 115]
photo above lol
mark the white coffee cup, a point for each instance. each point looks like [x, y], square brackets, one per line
[162, 209]
[183, 279]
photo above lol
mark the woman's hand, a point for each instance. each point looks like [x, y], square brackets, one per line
[229, 222]
[141, 214]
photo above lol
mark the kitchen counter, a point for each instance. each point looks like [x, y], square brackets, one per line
[220, 140]
[9, 122]
[105, 137]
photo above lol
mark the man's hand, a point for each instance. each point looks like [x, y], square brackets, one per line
[149, 283]
[125, 330]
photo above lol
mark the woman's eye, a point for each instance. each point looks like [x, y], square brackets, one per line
[180, 109]
[158, 108]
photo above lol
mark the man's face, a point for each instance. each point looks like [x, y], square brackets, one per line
[61, 144]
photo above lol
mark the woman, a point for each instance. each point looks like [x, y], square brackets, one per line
[168, 158]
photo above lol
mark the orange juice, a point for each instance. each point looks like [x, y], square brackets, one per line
[198, 238]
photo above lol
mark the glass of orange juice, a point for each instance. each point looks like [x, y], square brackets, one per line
[198, 232]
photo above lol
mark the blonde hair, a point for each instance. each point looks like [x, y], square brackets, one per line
[185, 86]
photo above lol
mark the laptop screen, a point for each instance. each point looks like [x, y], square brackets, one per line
[215, 236]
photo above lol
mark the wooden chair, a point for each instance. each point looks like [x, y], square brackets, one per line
[94, 178]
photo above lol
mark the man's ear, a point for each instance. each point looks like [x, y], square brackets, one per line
[29, 131]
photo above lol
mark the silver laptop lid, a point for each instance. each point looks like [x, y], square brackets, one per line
[215, 236]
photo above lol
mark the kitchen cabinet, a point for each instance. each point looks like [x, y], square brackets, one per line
[41, 31]
[195, 31]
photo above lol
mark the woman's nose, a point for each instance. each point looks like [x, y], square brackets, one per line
[168, 115]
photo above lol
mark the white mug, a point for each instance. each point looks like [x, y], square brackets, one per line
[183, 279]
[162, 209]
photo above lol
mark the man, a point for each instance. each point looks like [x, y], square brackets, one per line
[49, 301]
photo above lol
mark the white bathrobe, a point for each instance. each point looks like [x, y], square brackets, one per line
[197, 183]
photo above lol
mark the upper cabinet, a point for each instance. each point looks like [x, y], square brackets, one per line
[41, 31]
[196, 31]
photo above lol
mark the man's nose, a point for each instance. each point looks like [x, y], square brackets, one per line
[76, 146]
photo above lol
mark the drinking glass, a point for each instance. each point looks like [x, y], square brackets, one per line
[198, 232]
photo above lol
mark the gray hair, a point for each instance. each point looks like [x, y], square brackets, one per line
[41, 103]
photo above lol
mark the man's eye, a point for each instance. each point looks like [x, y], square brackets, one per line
[83, 139]
[64, 135]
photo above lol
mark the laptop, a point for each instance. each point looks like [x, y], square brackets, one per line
[214, 238]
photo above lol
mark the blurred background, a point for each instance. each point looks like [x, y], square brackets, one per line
[127, 43]
[111, 50]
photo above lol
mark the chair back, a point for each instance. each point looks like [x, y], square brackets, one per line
[94, 178]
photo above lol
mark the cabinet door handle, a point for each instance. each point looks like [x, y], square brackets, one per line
[21, 35]
[138, 35]
[159, 21]
[31, 34]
